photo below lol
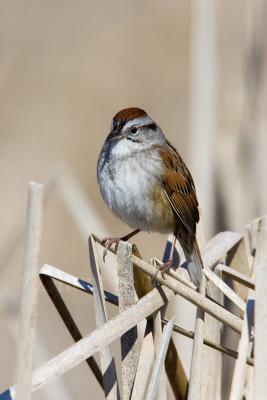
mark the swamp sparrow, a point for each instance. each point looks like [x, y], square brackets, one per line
[146, 183]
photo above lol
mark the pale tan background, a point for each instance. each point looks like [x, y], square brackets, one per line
[65, 68]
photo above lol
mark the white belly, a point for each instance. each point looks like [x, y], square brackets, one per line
[133, 192]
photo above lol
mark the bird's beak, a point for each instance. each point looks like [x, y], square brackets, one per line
[115, 135]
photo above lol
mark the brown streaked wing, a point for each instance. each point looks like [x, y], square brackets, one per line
[179, 187]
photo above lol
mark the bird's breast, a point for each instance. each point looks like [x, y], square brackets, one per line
[132, 190]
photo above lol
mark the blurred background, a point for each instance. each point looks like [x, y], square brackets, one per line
[197, 67]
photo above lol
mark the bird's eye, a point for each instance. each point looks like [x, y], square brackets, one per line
[134, 129]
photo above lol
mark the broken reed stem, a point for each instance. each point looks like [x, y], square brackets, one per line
[66, 316]
[173, 365]
[194, 390]
[129, 342]
[223, 349]
[157, 333]
[238, 381]
[107, 362]
[73, 281]
[236, 275]
[29, 297]
[17, 236]
[145, 363]
[159, 363]
[225, 289]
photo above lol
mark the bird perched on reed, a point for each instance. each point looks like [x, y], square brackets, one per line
[146, 183]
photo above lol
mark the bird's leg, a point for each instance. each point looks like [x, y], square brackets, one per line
[109, 241]
[172, 249]
[164, 267]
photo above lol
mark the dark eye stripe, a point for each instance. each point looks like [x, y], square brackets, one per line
[151, 126]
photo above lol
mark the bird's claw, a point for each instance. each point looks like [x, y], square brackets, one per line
[107, 243]
[162, 268]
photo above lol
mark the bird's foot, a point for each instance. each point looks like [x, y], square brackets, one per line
[107, 243]
[165, 267]
[162, 268]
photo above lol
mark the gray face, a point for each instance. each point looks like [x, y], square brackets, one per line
[128, 138]
[135, 134]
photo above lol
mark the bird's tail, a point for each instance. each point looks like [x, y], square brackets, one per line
[195, 265]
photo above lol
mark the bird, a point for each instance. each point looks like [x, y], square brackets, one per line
[145, 182]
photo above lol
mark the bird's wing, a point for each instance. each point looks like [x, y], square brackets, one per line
[179, 188]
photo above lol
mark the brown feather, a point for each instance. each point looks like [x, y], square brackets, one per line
[180, 190]
[129, 114]
[179, 187]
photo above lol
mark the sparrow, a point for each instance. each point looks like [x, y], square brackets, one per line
[145, 182]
